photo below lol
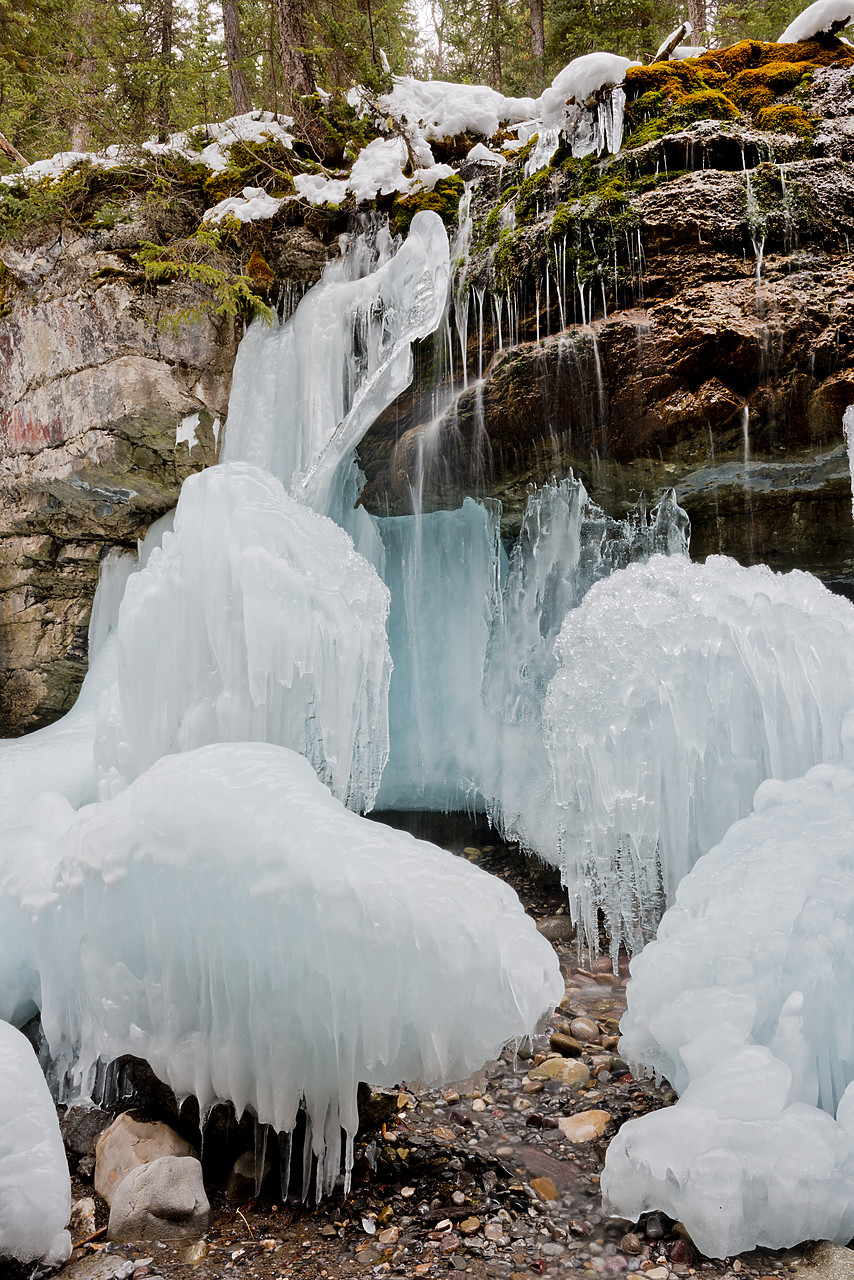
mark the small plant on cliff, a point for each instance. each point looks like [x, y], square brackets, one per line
[202, 261]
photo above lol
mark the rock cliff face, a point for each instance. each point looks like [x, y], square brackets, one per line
[680, 315]
[723, 370]
[95, 387]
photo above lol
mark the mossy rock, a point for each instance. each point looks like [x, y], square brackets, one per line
[785, 117]
[444, 199]
[709, 104]
[259, 270]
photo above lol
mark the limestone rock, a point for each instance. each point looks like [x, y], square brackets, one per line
[129, 1143]
[163, 1200]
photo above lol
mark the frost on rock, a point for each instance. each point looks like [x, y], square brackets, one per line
[257, 620]
[740, 1004]
[818, 18]
[305, 392]
[680, 688]
[258, 942]
[35, 1187]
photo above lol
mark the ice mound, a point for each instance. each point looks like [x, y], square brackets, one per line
[226, 918]
[35, 1188]
[257, 620]
[740, 1003]
[680, 688]
[436, 109]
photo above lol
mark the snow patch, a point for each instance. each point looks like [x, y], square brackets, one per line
[254, 205]
[817, 18]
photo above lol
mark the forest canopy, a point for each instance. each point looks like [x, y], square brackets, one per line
[79, 74]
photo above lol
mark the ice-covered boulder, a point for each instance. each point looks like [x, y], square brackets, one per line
[35, 1187]
[680, 688]
[741, 1003]
[227, 919]
[257, 620]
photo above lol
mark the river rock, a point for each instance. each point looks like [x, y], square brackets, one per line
[129, 1143]
[584, 1126]
[163, 1200]
[566, 1070]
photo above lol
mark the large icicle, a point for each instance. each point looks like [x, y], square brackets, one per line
[742, 1003]
[258, 942]
[443, 571]
[681, 687]
[305, 393]
[256, 621]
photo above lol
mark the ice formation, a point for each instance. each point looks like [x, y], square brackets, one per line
[226, 918]
[817, 18]
[35, 1188]
[305, 393]
[257, 620]
[191, 893]
[680, 688]
[740, 1004]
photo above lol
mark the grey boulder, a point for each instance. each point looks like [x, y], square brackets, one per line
[163, 1200]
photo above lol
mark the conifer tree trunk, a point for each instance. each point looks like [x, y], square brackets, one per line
[84, 75]
[697, 16]
[495, 35]
[234, 57]
[164, 92]
[538, 47]
[296, 65]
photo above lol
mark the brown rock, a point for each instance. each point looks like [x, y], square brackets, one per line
[584, 1126]
[566, 1045]
[566, 1070]
[631, 1243]
[128, 1143]
[545, 1188]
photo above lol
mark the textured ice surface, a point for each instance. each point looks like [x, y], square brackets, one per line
[472, 643]
[741, 1003]
[257, 620]
[680, 688]
[256, 941]
[35, 1188]
[443, 573]
[306, 392]
[817, 17]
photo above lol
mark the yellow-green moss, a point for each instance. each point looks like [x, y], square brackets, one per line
[444, 199]
[785, 117]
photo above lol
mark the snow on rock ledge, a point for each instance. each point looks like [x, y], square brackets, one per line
[742, 1004]
[822, 16]
[35, 1187]
[256, 941]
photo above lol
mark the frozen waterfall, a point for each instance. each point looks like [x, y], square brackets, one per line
[191, 892]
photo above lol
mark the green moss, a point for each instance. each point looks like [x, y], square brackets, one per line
[786, 118]
[491, 227]
[533, 195]
[444, 199]
[709, 104]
